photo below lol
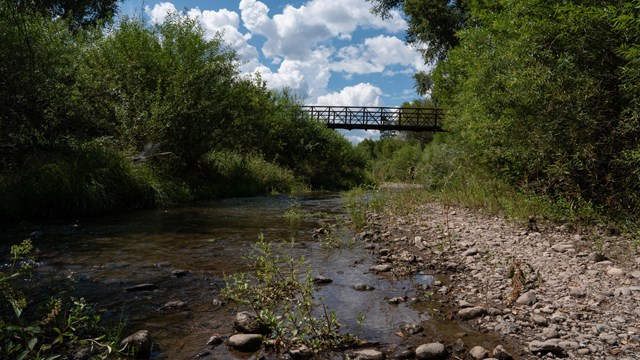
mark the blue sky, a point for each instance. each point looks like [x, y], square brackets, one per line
[329, 52]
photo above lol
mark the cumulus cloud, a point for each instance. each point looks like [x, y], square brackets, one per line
[298, 45]
[308, 78]
[363, 94]
[160, 12]
[375, 54]
[297, 30]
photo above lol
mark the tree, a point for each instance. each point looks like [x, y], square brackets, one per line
[432, 23]
[79, 13]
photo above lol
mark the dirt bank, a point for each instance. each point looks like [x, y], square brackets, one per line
[555, 290]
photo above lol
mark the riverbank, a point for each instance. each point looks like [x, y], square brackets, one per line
[549, 288]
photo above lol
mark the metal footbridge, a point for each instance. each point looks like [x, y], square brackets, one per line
[377, 118]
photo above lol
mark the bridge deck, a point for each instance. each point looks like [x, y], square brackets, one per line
[377, 118]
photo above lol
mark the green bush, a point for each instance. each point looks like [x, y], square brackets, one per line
[226, 173]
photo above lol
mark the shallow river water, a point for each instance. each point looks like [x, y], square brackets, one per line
[105, 256]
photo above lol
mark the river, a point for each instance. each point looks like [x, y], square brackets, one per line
[103, 257]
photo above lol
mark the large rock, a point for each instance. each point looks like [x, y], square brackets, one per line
[139, 344]
[432, 351]
[245, 342]
[472, 313]
[248, 324]
[528, 298]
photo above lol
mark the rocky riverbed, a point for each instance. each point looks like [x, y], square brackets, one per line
[554, 290]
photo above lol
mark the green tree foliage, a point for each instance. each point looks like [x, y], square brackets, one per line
[544, 94]
[163, 85]
[78, 13]
[34, 58]
[432, 23]
[76, 107]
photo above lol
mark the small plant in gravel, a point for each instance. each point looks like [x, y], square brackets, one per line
[520, 279]
[281, 294]
[360, 200]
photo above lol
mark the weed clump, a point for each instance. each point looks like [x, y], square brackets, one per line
[31, 329]
[281, 294]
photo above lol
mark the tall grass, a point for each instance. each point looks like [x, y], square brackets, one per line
[451, 177]
[227, 173]
[82, 181]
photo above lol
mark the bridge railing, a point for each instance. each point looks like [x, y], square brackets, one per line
[377, 118]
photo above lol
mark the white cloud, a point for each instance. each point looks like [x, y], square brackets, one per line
[296, 31]
[308, 78]
[299, 45]
[375, 54]
[358, 136]
[160, 12]
[363, 94]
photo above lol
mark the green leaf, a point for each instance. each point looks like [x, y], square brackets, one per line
[23, 355]
[32, 343]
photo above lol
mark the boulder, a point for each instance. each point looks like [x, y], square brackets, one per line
[528, 298]
[432, 351]
[245, 342]
[472, 312]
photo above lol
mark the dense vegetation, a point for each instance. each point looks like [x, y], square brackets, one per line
[124, 115]
[542, 97]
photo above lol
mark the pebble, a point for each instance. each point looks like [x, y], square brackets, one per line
[500, 353]
[563, 247]
[470, 252]
[548, 346]
[578, 291]
[550, 332]
[369, 354]
[381, 268]
[478, 353]
[622, 291]
[615, 272]
[363, 287]
[321, 280]
[569, 286]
